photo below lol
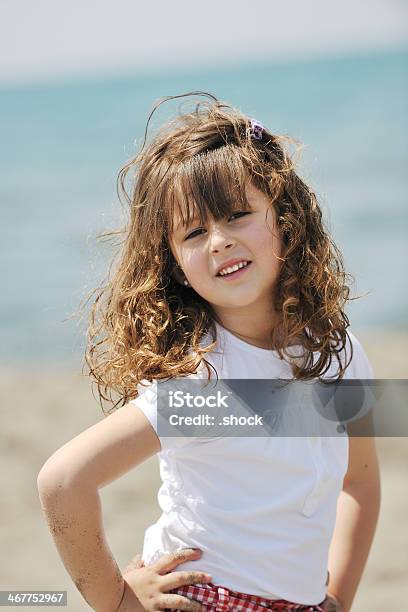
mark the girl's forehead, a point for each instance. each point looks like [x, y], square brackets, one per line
[209, 184]
[187, 211]
[184, 217]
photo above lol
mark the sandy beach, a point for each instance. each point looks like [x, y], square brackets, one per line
[43, 409]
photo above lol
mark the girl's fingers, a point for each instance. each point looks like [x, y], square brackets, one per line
[174, 580]
[178, 602]
[167, 563]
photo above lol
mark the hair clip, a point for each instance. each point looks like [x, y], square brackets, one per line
[256, 129]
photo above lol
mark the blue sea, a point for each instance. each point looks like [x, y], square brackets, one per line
[62, 145]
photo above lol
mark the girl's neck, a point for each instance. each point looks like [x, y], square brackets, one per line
[262, 342]
[250, 330]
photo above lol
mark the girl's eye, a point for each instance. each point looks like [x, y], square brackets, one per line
[194, 233]
[240, 213]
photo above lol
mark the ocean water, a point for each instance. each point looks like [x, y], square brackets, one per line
[63, 144]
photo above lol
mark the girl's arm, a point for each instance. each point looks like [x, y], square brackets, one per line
[357, 514]
[68, 485]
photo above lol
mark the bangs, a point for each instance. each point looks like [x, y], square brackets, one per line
[208, 184]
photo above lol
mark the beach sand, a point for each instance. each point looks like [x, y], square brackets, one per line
[44, 408]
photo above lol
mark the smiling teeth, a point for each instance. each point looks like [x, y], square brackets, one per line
[234, 268]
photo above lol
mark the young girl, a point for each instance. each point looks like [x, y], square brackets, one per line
[227, 271]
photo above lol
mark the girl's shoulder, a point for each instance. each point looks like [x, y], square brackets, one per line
[360, 366]
[353, 353]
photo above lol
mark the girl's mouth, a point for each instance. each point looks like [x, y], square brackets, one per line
[235, 275]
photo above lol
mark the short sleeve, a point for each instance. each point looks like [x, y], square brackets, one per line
[147, 402]
[360, 366]
[360, 369]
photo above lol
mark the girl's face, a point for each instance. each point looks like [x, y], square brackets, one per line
[203, 251]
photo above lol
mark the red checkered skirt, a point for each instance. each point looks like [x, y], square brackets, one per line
[216, 598]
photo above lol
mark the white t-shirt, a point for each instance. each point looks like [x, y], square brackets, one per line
[261, 509]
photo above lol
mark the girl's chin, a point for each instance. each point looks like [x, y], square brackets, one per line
[235, 301]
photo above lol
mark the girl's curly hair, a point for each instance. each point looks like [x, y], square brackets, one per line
[144, 325]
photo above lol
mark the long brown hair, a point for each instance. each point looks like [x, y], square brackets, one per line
[144, 325]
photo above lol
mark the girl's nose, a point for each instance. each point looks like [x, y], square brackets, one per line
[220, 238]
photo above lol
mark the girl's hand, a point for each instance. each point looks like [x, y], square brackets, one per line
[146, 588]
[331, 604]
[134, 563]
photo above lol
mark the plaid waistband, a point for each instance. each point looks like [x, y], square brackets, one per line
[220, 599]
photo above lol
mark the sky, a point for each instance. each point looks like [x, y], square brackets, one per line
[54, 39]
